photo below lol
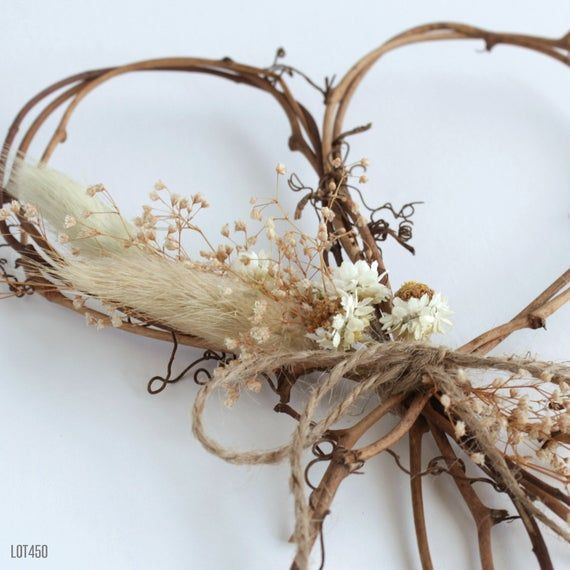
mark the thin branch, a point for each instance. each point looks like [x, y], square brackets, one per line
[345, 460]
[482, 515]
[402, 428]
[532, 316]
[416, 437]
[350, 436]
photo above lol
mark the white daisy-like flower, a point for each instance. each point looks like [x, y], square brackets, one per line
[360, 278]
[5, 213]
[417, 318]
[347, 327]
[325, 338]
[253, 265]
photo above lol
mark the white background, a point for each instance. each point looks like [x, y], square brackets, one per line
[110, 477]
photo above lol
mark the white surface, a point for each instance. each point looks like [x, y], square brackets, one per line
[110, 477]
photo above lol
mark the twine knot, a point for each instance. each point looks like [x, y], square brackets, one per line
[389, 369]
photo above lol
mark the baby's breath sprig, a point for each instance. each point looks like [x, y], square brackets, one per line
[526, 417]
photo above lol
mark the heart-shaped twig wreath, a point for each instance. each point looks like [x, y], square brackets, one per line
[279, 315]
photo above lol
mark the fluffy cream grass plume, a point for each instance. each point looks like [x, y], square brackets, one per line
[189, 300]
[56, 196]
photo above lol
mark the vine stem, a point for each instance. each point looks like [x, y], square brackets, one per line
[533, 316]
[416, 437]
[344, 461]
[482, 515]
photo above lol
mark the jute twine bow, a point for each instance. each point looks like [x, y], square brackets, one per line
[386, 368]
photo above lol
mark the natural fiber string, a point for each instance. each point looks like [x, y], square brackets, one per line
[388, 368]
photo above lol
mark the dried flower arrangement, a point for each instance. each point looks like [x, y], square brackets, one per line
[308, 304]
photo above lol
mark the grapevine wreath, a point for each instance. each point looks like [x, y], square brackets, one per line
[316, 306]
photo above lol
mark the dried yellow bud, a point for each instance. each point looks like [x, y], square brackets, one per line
[414, 289]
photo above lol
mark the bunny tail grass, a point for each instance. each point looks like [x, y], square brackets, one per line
[189, 300]
[57, 198]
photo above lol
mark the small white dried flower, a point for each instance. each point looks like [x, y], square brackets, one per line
[445, 401]
[253, 385]
[30, 211]
[69, 222]
[95, 189]
[116, 321]
[171, 244]
[328, 214]
[364, 162]
[280, 169]
[337, 162]
[260, 334]
[362, 279]
[154, 196]
[254, 265]
[459, 429]
[478, 458]
[323, 234]
[16, 206]
[225, 231]
[546, 425]
[546, 376]
[259, 309]
[462, 376]
[231, 343]
[4, 214]
[90, 319]
[363, 179]
[88, 233]
[270, 229]
[159, 185]
[348, 327]
[240, 226]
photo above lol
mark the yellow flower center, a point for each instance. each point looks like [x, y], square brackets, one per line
[414, 289]
[323, 310]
